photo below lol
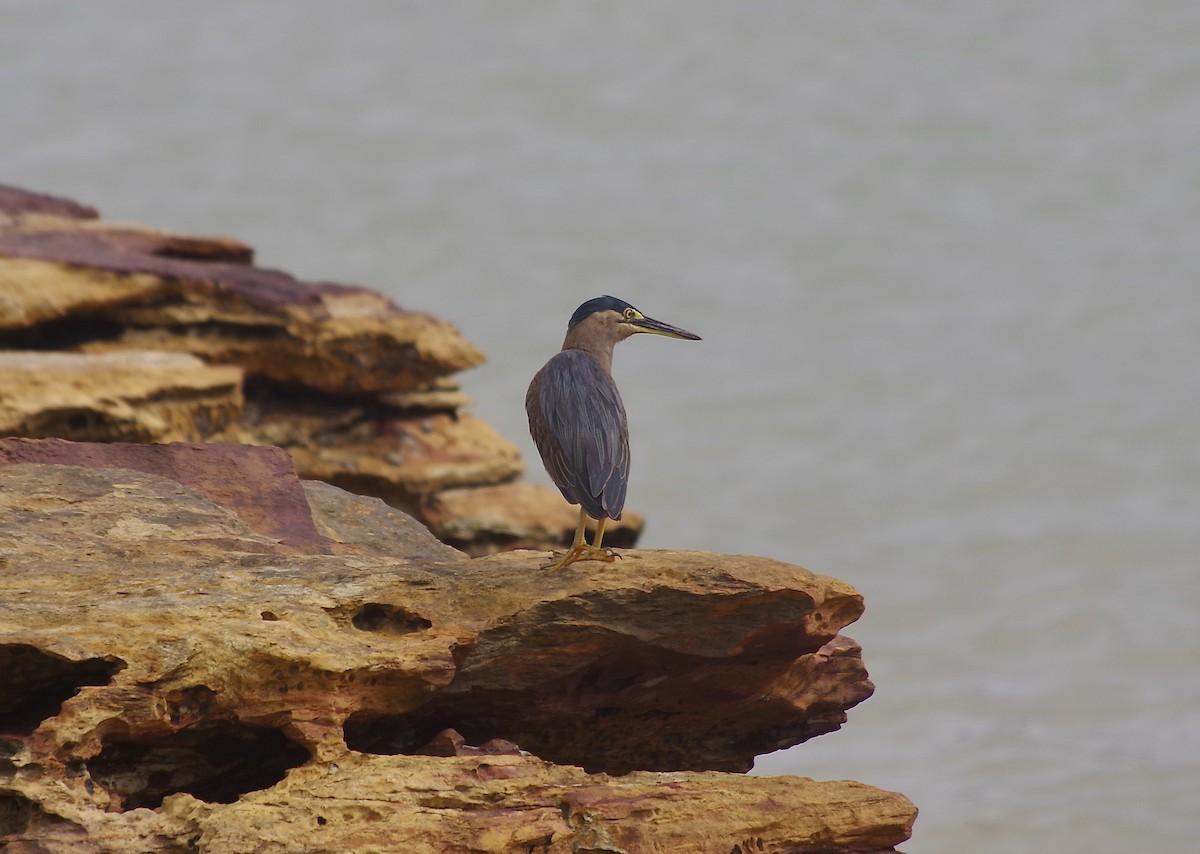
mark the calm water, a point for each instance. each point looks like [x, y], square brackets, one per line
[944, 257]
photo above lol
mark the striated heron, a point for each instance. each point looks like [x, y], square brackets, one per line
[577, 419]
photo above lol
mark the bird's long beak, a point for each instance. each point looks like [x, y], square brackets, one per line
[657, 327]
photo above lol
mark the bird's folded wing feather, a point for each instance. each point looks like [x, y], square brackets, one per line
[589, 437]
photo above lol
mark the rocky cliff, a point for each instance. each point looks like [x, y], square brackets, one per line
[200, 651]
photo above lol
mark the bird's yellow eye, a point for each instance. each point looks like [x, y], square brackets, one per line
[630, 314]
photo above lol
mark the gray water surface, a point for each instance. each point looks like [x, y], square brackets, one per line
[943, 257]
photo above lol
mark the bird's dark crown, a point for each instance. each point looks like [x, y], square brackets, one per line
[604, 303]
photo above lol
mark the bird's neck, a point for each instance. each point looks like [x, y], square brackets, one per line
[598, 350]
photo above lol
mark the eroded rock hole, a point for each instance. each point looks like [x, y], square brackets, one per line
[22, 819]
[15, 811]
[388, 619]
[413, 733]
[34, 684]
[216, 762]
[385, 734]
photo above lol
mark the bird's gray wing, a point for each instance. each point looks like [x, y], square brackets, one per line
[578, 423]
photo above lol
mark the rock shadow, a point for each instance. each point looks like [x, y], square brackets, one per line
[215, 761]
[34, 684]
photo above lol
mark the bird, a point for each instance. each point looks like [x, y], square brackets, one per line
[578, 422]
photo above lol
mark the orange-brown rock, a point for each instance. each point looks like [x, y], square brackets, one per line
[359, 391]
[184, 670]
[127, 395]
[333, 338]
[520, 804]
[374, 449]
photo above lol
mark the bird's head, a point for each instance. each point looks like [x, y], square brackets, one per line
[612, 320]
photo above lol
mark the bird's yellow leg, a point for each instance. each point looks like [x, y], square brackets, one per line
[580, 530]
[577, 546]
[580, 550]
[599, 532]
[594, 550]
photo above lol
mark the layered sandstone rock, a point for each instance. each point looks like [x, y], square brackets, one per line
[359, 391]
[126, 395]
[198, 652]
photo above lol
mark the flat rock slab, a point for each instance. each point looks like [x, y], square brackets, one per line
[516, 804]
[99, 287]
[257, 484]
[15, 201]
[174, 676]
[129, 395]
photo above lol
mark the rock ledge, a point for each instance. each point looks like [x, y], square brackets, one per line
[182, 670]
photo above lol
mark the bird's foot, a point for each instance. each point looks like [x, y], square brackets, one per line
[583, 552]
